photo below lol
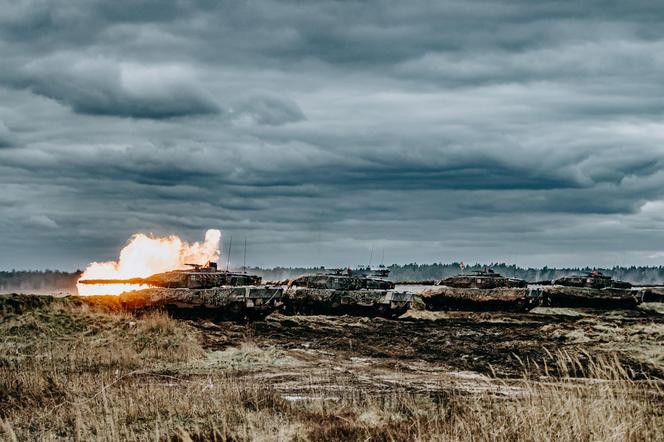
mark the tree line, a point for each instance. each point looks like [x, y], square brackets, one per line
[17, 280]
[436, 271]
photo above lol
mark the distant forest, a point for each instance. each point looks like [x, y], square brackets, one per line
[22, 280]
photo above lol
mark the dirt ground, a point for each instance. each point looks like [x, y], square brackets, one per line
[427, 351]
[75, 370]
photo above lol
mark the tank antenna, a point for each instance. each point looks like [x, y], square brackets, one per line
[244, 262]
[230, 247]
[370, 257]
[382, 258]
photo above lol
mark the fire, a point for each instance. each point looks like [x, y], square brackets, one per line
[146, 255]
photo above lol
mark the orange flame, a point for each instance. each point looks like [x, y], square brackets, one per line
[144, 256]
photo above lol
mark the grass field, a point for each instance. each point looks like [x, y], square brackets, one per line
[72, 372]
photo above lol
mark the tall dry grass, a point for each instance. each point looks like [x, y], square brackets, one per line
[74, 374]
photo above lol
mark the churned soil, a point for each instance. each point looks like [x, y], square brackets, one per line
[433, 350]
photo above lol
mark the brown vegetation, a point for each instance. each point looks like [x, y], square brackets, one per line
[71, 372]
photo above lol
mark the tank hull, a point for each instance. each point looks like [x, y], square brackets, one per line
[592, 282]
[239, 302]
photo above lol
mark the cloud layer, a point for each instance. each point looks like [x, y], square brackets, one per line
[6, 136]
[488, 130]
[103, 87]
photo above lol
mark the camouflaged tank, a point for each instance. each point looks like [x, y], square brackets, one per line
[482, 279]
[592, 280]
[203, 290]
[354, 292]
[199, 277]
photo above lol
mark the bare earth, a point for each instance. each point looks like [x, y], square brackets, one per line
[70, 371]
[429, 351]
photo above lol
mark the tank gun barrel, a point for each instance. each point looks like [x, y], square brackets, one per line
[115, 281]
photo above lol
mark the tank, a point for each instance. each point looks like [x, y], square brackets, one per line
[360, 292]
[482, 279]
[592, 280]
[201, 290]
[198, 277]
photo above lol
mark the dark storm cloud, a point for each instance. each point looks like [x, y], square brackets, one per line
[273, 111]
[6, 137]
[103, 87]
[520, 130]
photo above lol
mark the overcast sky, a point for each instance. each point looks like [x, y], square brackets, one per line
[529, 132]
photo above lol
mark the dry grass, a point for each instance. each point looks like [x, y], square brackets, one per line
[70, 373]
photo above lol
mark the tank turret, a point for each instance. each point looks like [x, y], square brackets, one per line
[345, 279]
[357, 292]
[593, 280]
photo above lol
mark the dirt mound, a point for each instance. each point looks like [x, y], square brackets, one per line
[559, 296]
[502, 299]
[654, 294]
[14, 303]
[369, 303]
